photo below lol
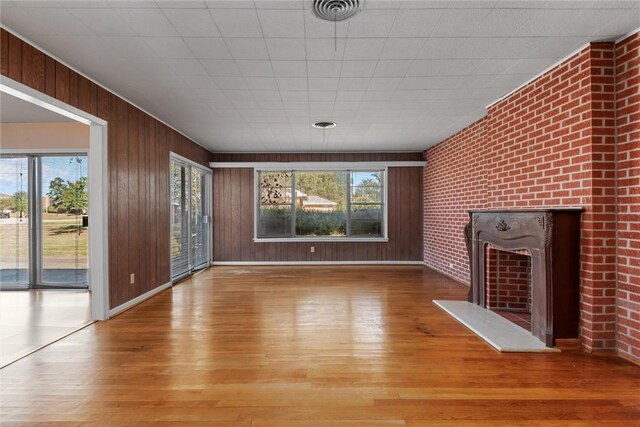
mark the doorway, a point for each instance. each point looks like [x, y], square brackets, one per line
[43, 221]
[190, 199]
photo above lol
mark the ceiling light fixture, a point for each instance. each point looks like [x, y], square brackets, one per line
[324, 125]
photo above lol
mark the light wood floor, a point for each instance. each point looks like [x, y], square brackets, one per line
[30, 319]
[307, 346]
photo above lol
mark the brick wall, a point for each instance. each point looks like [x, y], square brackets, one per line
[508, 284]
[553, 143]
[454, 182]
[628, 134]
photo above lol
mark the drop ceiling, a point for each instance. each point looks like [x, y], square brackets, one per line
[254, 75]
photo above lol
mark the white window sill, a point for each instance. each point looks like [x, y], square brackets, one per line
[319, 239]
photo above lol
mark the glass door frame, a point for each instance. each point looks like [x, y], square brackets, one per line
[208, 202]
[34, 214]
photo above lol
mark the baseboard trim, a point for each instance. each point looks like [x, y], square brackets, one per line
[137, 300]
[267, 263]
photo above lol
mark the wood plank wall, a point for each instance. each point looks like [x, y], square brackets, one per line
[138, 162]
[233, 214]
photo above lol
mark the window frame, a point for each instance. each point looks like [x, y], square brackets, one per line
[321, 168]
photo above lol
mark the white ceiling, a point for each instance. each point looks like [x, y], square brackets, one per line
[15, 110]
[253, 75]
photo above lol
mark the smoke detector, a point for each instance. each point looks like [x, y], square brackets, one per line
[336, 10]
[324, 125]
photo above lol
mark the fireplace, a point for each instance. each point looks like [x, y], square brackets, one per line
[524, 265]
[508, 284]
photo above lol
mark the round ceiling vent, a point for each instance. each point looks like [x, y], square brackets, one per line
[324, 125]
[336, 10]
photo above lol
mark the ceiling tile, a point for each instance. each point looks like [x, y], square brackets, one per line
[130, 47]
[286, 49]
[524, 22]
[353, 83]
[529, 66]
[364, 48]
[133, 4]
[208, 47]
[279, 4]
[384, 83]
[147, 22]
[371, 23]
[181, 4]
[237, 22]
[324, 68]
[191, 67]
[194, 82]
[192, 22]
[437, 67]
[350, 95]
[44, 21]
[247, 48]
[319, 28]
[169, 47]
[261, 83]
[250, 68]
[415, 23]
[289, 68]
[228, 82]
[402, 48]
[321, 83]
[230, 4]
[103, 22]
[459, 22]
[396, 68]
[291, 83]
[221, 67]
[322, 49]
[358, 68]
[538, 47]
[281, 23]
[290, 95]
[494, 66]
[265, 95]
[318, 95]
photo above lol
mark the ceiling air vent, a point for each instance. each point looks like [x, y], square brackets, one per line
[336, 10]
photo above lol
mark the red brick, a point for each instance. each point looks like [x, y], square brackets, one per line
[552, 143]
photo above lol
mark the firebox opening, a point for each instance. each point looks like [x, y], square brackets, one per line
[508, 284]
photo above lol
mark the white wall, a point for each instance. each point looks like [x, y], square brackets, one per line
[49, 136]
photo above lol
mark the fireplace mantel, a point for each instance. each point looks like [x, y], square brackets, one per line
[552, 238]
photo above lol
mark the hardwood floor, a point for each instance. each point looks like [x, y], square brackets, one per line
[308, 346]
[30, 319]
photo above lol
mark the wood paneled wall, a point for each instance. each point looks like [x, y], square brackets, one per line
[234, 210]
[138, 162]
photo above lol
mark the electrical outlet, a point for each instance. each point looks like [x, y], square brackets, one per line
[132, 278]
[313, 249]
[450, 265]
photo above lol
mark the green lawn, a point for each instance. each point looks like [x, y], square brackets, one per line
[62, 241]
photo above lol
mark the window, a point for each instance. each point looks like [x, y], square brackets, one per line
[320, 204]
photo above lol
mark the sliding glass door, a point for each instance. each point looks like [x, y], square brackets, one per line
[43, 221]
[190, 212]
[65, 236]
[14, 223]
